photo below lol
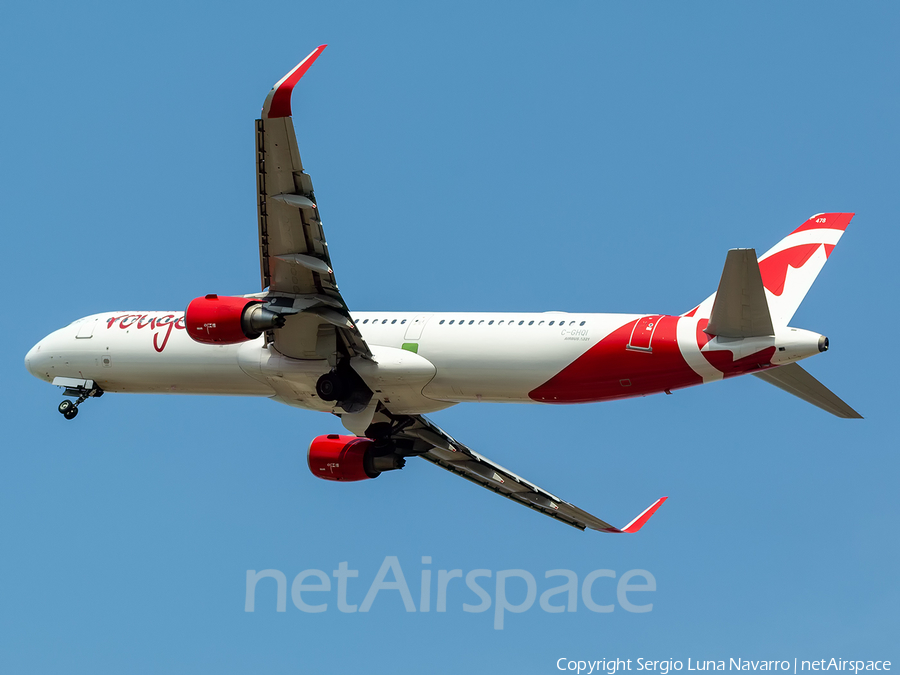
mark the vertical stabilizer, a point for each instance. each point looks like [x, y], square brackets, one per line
[790, 267]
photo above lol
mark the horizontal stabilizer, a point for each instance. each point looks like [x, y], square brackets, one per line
[740, 309]
[794, 380]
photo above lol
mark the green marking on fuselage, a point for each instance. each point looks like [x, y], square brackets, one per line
[411, 347]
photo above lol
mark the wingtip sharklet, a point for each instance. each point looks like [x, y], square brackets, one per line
[278, 102]
[638, 522]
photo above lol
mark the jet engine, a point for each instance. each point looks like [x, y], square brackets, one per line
[228, 320]
[350, 458]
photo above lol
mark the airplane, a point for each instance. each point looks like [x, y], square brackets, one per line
[297, 343]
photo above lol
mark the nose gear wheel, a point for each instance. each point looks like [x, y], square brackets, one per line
[69, 409]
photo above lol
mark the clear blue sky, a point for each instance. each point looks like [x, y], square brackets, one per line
[583, 156]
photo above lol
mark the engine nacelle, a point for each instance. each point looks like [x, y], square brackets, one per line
[227, 320]
[349, 458]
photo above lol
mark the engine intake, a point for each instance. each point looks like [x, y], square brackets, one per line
[350, 458]
[227, 320]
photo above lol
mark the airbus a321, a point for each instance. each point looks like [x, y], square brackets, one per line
[296, 342]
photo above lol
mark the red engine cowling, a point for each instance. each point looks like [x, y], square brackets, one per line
[228, 320]
[341, 458]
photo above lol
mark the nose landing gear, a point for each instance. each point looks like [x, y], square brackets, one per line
[69, 409]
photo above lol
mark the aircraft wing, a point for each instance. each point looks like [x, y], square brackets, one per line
[294, 263]
[448, 453]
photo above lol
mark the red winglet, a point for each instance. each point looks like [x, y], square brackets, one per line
[638, 522]
[278, 102]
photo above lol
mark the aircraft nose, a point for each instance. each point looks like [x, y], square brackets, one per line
[35, 360]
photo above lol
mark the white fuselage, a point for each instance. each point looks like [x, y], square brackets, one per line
[477, 357]
[422, 361]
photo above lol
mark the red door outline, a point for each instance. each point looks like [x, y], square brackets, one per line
[642, 333]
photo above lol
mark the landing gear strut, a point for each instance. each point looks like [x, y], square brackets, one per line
[69, 409]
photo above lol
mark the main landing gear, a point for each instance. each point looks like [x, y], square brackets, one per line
[69, 409]
[344, 387]
[332, 387]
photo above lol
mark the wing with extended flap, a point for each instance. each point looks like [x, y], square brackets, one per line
[295, 265]
[448, 453]
[298, 282]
